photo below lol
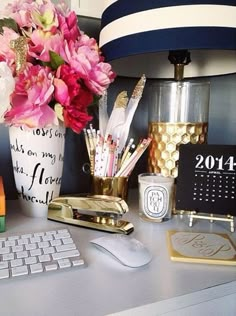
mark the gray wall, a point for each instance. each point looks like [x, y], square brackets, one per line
[222, 128]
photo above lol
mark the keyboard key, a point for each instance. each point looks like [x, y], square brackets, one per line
[8, 256]
[23, 241]
[62, 235]
[17, 271]
[36, 268]
[35, 239]
[10, 243]
[77, 262]
[26, 236]
[4, 250]
[47, 238]
[43, 244]
[41, 234]
[67, 241]
[64, 263]
[30, 260]
[3, 265]
[22, 254]
[17, 248]
[30, 247]
[51, 232]
[35, 252]
[13, 237]
[65, 254]
[56, 242]
[65, 247]
[51, 267]
[48, 250]
[44, 258]
[4, 274]
[16, 263]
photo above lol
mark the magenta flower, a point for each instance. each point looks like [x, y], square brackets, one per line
[69, 27]
[73, 97]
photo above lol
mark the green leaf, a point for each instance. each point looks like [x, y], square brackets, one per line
[8, 22]
[55, 60]
[95, 100]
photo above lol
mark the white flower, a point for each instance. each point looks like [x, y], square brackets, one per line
[7, 86]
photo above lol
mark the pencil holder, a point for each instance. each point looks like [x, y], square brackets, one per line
[114, 186]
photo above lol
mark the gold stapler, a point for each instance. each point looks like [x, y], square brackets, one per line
[92, 211]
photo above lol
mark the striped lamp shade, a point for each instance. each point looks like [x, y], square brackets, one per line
[136, 36]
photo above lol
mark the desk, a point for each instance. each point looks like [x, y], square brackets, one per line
[105, 287]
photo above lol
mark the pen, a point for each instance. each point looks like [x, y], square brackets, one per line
[130, 152]
[128, 166]
[126, 150]
[98, 153]
[104, 158]
[110, 163]
[86, 141]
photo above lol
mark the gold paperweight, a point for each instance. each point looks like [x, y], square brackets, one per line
[199, 247]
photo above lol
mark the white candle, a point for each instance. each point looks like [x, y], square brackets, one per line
[155, 196]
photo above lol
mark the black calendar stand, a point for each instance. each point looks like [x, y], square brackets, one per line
[206, 182]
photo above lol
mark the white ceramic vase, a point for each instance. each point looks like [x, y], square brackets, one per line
[37, 159]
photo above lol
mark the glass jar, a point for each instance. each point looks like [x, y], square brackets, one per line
[178, 114]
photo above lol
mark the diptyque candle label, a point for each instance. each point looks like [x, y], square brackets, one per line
[156, 201]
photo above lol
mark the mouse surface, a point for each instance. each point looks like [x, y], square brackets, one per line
[128, 250]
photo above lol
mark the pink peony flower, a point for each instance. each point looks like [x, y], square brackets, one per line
[100, 78]
[30, 100]
[44, 42]
[20, 11]
[88, 64]
[45, 17]
[30, 115]
[36, 83]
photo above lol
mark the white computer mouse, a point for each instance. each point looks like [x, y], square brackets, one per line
[128, 250]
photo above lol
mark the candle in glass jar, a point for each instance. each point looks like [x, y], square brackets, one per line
[155, 196]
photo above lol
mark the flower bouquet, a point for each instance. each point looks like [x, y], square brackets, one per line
[49, 68]
[50, 72]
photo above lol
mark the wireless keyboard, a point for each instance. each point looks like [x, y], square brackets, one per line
[38, 252]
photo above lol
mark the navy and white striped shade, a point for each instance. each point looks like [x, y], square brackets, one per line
[136, 36]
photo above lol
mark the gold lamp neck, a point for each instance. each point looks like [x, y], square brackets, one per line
[179, 58]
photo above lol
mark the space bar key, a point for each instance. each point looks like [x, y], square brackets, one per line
[65, 254]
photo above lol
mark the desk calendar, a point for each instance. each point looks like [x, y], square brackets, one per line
[207, 179]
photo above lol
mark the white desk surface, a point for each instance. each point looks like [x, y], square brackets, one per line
[105, 286]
